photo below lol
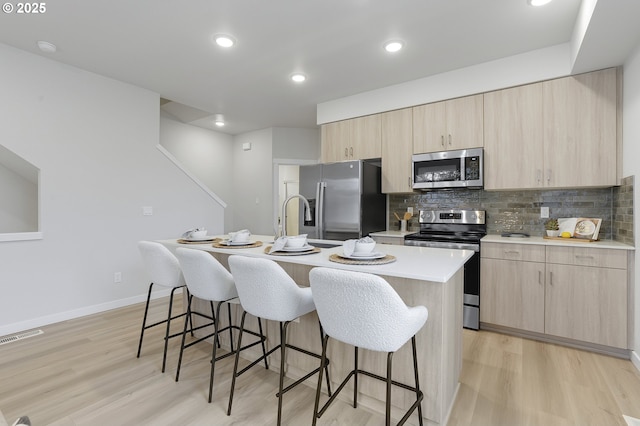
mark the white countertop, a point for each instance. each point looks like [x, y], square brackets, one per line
[421, 263]
[603, 244]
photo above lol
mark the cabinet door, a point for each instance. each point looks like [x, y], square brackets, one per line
[396, 151]
[580, 130]
[586, 303]
[464, 118]
[513, 138]
[366, 137]
[512, 294]
[334, 143]
[429, 128]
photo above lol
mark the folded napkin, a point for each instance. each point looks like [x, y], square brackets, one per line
[278, 244]
[187, 234]
[348, 247]
[241, 235]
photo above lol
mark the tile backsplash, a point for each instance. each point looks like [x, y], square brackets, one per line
[519, 211]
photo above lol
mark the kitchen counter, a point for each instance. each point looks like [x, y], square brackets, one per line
[604, 244]
[421, 276]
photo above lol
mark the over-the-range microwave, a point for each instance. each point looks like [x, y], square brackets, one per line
[448, 169]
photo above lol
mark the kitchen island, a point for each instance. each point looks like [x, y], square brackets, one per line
[421, 276]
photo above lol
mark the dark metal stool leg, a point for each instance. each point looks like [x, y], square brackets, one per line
[184, 333]
[230, 327]
[355, 379]
[166, 336]
[326, 366]
[283, 347]
[264, 349]
[144, 320]
[213, 355]
[388, 401]
[235, 364]
[415, 372]
[323, 360]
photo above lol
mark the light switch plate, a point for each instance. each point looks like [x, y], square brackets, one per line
[147, 211]
[544, 212]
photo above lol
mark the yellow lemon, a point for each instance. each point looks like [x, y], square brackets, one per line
[566, 234]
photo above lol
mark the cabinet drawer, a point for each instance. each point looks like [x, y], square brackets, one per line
[582, 256]
[526, 252]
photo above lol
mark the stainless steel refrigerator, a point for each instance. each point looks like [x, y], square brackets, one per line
[345, 198]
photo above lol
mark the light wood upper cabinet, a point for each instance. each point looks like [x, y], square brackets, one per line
[366, 137]
[354, 139]
[555, 134]
[396, 151]
[513, 138]
[580, 130]
[449, 125]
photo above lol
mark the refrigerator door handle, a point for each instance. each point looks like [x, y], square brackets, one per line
[320, 209]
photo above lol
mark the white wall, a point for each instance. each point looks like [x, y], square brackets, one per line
[631, 167]
[18, 203]
[94, 140]
[204, 153]
[252, 206]
[537, 65]
[296, 143]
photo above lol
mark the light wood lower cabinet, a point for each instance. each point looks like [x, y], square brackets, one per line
[567, 292]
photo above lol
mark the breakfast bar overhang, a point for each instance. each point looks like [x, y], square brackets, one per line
[431, 277]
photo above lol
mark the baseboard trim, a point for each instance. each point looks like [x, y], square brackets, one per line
[22, 326]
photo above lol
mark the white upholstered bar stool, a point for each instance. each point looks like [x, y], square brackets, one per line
[267, 291]
[364, 311]
[209, 281]
[164, 270]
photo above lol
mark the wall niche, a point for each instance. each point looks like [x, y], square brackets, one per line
[19, 200]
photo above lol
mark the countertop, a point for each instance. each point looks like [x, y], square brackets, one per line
[421, 263]
[603, 244]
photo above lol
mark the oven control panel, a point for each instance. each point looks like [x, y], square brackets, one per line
[453, 216]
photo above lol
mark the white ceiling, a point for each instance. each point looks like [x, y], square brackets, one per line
[166, 46]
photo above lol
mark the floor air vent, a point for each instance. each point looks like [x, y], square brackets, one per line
[15, 338]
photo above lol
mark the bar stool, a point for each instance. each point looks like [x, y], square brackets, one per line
[267, 291]
[164, 270]
[208, 280]
[364, 311]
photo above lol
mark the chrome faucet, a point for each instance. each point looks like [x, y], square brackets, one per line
[283, 216]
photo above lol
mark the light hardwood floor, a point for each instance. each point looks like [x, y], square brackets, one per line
[84, 372]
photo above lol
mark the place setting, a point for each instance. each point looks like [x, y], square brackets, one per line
[361, 252]
[294, 245]
[196, 236]
[238, 239]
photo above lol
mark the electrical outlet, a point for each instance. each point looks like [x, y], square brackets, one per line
[544, 212]
[410, 210]
[147, 210]
[117, 277]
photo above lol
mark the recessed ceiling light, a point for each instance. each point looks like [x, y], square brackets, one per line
[298, 77]
[224, 40]
[219, 120]
[47, 47]
[538, 2]
[393, 46]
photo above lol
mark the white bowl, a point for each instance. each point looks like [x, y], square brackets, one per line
[295, 242]
[363, 248]
[198, 234]
[239, 237]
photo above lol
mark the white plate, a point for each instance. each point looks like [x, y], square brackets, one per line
[206, 238]
[296, 249]
[368, 256]
[236, 243]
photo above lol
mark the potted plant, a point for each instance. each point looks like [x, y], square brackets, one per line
[552, 227]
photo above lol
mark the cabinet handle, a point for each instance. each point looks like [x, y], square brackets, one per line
[409, 182]
[539, 176]
[551, 278]
[511, 252]
[449, 139]
[540, 277]
[351, 152]
[346, 153]
[548, 175]
[584, 257]
[442, 140]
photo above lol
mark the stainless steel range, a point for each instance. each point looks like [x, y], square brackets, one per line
[456, 229]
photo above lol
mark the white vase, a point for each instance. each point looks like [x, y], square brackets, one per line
[553, 233]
